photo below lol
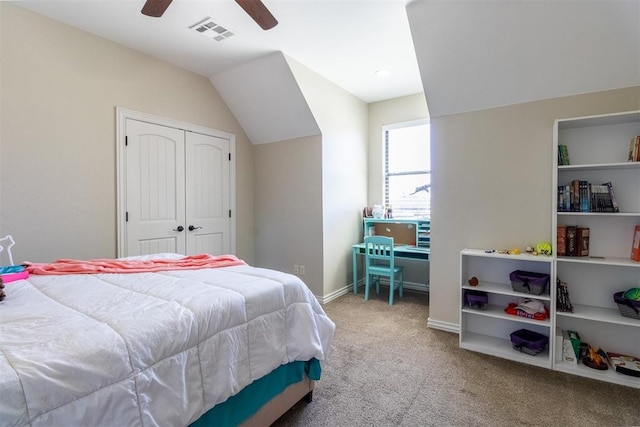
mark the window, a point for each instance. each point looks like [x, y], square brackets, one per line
[407, 169]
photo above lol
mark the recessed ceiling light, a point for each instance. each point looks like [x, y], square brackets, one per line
[382, 73]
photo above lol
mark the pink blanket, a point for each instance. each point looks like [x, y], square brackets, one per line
[190, 262]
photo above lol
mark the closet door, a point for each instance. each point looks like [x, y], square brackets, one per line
[155, 189]
[207, 194]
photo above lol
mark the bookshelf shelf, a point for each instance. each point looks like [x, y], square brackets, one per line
[609, 375]
[497, 312]
[614, 214]
[598, 149]
[622, 262]
[600, 166]
[501, 347]
[600, 314]
[502, 289]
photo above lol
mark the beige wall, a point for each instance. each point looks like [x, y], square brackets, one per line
[60, 87]
[288, 207]
[491, 176]
[342, 118]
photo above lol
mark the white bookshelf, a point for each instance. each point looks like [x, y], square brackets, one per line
[488, 331]
[598, 147]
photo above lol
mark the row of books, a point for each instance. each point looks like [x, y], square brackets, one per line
[583, 196]
[634, 149]
[563, 155]
[572, 241]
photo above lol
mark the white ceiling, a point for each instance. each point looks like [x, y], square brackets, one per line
[479, 54]
[346, 41]
[467, 54]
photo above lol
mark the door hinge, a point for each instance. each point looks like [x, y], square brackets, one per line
[126, 217]
[229, 213]
[126, 140]
[229, 156]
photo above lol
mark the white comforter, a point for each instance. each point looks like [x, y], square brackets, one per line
[148, 348]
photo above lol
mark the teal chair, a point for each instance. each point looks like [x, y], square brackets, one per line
[379, 261]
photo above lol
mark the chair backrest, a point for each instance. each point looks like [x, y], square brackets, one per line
[379, 248]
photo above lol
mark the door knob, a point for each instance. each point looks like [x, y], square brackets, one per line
[191, 228]
[180, 228]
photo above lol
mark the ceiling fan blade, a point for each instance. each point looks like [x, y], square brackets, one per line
[259, 12]
[155, 8]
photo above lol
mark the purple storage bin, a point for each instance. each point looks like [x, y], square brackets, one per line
[628, 308]
[529, 282]
[476, 299]
[528, 342]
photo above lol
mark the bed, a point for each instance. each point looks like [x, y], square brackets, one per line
[222, 345]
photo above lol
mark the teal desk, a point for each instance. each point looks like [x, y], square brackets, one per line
[400, 251]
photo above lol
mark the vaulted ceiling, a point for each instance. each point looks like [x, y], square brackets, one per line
[475, 55]
[466, 54]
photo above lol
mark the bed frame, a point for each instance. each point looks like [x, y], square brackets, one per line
[253, 406]
[280, 404]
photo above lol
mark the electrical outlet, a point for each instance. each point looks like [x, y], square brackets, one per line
[302, 270]
[296, 269]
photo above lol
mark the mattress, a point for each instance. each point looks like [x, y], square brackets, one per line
[145, 349]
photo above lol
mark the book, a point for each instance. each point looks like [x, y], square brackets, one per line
[561, 244]
[634, 149]
[584, 196]
[560, 200]
[563, 155]
[570, 346]
[635, 246]
[598, 202]
[582, 241]
[575, 195]
[572, 242]
[603, 197]
[623, 364]
[612, 197]
[562, 297]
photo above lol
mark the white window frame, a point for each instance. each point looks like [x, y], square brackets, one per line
[385, 147]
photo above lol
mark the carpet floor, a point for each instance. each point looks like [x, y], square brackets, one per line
[387, 368]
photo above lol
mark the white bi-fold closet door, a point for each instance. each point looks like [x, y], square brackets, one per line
[177, 191]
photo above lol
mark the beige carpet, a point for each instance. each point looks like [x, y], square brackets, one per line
[387, 368]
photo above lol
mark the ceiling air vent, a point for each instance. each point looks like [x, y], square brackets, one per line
[211, 30]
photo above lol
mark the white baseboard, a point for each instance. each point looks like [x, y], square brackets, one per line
[443, 326]
[421, 287]
[335, 294]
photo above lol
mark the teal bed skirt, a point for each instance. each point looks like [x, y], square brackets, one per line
[250, 399]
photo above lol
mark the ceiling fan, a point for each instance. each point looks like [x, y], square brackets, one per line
[254, 8]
